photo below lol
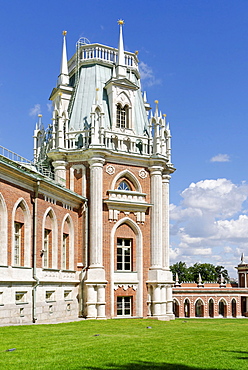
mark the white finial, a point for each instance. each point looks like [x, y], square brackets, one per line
[242, 258]
[121, 57]
[64, 75]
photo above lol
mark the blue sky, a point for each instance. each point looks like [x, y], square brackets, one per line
[193, 59]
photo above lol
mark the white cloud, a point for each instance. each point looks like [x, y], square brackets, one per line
[49, 107]
[209, 224]
[220, 158]
[147, 75]
[35, 110]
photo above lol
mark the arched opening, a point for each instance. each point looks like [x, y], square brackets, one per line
[222, 308]
[234, 308]
[199, 308]
[176, 308]
[211, 308]
[21, 250]
[67, 250]
[129, 178]
[49, 250]
[243, 306]
[3, 232]
[186, 308]
[122, 116]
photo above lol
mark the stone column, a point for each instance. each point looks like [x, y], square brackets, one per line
[156, 309]
[60, 172]
[91, 301]
[156, 217]
[96, 273]
[96, 210]
[101, 301]
[166, 225]
[169, 305]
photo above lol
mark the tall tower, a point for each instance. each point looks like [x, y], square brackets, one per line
[103, 145]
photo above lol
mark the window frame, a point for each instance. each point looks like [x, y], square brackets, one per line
[123, 306]
[123, 259]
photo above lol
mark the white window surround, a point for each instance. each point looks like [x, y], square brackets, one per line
[67, 218]
[26, 229]
[124, 306]
[3, 232]
[123, 277]
[54, 235]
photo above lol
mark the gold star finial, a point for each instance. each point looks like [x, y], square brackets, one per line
[156, 101]
[39, 115]
[97, 89]
[120, 22]
[136, 52]
[164, 115]
[64, 33]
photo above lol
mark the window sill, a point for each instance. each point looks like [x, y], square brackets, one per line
[49, 269]
[20, 303]
[20, 267]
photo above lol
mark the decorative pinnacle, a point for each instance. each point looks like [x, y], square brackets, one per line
[120, 22]
[39, 115]
[156, 101]
[164, 115]
[136, 52]
[64, 33]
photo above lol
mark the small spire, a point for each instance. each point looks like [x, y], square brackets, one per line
[144, 97]
[156, 109]
[64, 75]
[39, 124]
[242, 258]
[121, 56]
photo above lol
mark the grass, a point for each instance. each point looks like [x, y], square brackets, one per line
[127, 345]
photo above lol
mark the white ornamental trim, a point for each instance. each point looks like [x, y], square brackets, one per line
[110, 169]
[143, 174]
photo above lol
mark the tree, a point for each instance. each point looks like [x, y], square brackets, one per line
[181, 269]
[208, 272]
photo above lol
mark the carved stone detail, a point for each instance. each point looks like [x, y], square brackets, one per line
[110, 169]
[143, 174]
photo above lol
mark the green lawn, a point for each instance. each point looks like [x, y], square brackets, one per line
[127, 344]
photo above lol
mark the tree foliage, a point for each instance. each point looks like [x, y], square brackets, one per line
[208, 272]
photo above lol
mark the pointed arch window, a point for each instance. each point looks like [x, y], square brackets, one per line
[124, 186]
[122, 119]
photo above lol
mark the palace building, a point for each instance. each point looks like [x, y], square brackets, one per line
[84, 228]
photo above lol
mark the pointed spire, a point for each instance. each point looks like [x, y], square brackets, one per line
[121, 70]
[39, 124]
[64, 75]
[121, 57]
[144, 97]
[156, 109]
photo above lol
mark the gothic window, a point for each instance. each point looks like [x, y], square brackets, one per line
[124, 254]
[122, 120]
[47, 248]
[21, 237]
[50, 240]
[18, 245]
[65, 252]
[124, 306]
[67, 244]
[124, 186]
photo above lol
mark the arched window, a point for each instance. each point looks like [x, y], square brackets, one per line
[122, 119]
[123, 185]
[67, 254]
[21, 234]
[49, 250]
[3, 232]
